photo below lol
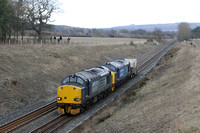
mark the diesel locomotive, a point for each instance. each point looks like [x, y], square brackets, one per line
[82, 88]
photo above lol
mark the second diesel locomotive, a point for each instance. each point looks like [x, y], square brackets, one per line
[88, 86]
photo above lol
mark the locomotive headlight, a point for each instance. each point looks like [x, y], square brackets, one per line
[76, 99]
[59, 98]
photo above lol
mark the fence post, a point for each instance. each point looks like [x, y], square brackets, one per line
[9, 42]
[41, 42]
[21, 42]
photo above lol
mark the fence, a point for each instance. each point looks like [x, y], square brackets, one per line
[75, 41]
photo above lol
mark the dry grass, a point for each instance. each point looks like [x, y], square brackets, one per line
[29, 74]
[78, 41]
[105, 41]
[168, 101]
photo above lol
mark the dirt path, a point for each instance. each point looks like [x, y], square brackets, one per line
[167, 101]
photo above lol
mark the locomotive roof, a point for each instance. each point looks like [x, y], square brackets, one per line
[93, 73]
[119, 63]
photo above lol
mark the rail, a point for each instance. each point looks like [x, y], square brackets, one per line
[31, 116]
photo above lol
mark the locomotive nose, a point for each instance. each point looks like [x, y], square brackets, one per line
[69, 94]
[69, 99]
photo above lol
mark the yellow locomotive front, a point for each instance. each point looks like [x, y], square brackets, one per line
[68, 99]
[69, 95]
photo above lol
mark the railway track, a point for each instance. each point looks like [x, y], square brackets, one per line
[52, 125]
[152, 57]
[143, 56]
[151, 52]
[31, 116]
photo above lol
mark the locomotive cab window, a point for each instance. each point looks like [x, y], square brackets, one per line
[108, 80]
[113, 68]
[80, 81]
[72, 79]
[66, 80]
[126, 69]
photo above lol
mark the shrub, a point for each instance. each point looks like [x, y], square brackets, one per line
[132, 43]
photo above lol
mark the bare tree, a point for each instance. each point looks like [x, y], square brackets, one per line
[158, 34]
[196, 32]
[6, 19]
[184, 31]
[20, 18]
[39, 13]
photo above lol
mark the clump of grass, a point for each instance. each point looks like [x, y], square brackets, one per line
[194, 129]
[102, 119]
[143, 83]
[130, 95]
[132, 43]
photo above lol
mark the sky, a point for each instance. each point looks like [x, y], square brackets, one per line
[111, 13]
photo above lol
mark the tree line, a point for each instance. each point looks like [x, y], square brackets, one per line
[16, 16]
[157, 34]
[186, 33]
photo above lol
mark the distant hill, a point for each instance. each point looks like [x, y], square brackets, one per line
[151, 27]
[115, 31]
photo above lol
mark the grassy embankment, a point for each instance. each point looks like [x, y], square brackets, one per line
[166, 101]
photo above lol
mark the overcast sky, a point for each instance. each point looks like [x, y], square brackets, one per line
[110, 13]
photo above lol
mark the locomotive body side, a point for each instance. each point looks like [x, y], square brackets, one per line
[99, 85]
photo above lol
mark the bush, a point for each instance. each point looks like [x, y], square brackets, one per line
[149, 40]
[106, 116]
[132, 43]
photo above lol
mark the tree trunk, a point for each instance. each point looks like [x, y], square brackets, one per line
[4, 38]
[22, 38]
[39, 32]
[17, 36]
